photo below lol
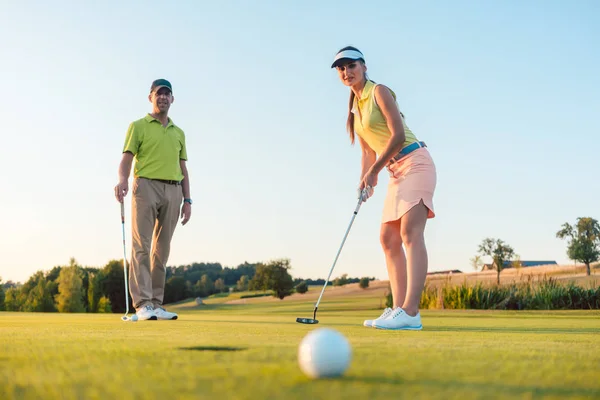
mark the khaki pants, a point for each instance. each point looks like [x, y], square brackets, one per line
[155, 211]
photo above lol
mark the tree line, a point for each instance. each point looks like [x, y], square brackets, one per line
[73, 288]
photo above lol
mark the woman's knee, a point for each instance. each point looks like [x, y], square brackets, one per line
[390, 238]
[413, 225]
[412, 233]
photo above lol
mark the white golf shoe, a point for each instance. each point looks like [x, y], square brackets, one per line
[146, 313]
[386, 313]
[399, 320]
[161, 313]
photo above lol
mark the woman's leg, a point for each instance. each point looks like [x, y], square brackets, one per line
[412, 230]
[395, 259]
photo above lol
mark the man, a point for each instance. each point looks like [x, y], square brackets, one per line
[161, 182]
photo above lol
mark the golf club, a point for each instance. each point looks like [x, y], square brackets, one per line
[125, 317]
[314, 320]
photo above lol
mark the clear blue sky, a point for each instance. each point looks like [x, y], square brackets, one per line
[506, 94]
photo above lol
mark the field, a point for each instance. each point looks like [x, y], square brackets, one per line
[565, 273]
[247, 349]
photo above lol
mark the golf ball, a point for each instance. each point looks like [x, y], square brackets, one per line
[324, 353]
[134, 317]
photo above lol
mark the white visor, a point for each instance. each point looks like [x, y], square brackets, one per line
[349, 54]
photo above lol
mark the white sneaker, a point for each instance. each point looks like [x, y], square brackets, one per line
[400, 320]
[161, 313]
[146, 313]
[386, 313]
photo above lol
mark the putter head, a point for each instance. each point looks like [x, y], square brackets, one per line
[125, 318]
[309, 321]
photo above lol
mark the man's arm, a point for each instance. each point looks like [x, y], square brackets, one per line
[122, 187]
[186, 209]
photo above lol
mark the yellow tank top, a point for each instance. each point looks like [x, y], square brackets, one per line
[370, 124]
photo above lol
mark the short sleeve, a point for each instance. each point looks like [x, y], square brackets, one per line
[183, 152]
[132, 139]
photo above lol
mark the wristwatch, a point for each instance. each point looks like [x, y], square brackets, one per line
[188, 201]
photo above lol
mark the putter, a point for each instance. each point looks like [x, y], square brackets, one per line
[125, 317]
[314, 320]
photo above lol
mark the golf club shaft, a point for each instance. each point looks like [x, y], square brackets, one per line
[337, 255]
[124, 258]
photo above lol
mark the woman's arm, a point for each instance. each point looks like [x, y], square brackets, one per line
[368, 158]
[387, 104]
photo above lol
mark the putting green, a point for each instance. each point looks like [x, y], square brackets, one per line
[249, 351]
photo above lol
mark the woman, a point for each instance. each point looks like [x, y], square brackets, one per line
[387, 142]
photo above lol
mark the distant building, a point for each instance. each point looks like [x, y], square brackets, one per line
[524, 264]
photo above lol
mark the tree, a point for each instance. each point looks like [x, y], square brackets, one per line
[39, 299]
[220, 285]
[302, 287]
[499, 251]
[476, 262]
[174, 289]
[11, 300]
[1, 296]
[103, 305]
[261, 278]
[204, 287]
[516, 263]
[583, 241]
[87, 274]
[112, 283]
[70, 290]
[94, 293]
[273, 276]
[364, 283]
[341, 281]
[281, 282]
[52, 275]
[242, 283]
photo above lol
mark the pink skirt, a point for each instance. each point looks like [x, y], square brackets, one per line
[412, 179]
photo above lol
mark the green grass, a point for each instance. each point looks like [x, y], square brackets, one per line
[249, 351]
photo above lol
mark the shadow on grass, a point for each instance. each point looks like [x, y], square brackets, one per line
[481, 387]
[213, 348]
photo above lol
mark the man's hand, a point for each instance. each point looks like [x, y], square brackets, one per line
[121, 190]
[186, 212]
[122, 187]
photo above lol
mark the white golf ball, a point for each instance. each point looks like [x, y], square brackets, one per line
[324, 353]
[134, 317]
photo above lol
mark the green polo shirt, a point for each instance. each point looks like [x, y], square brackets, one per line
[157, 149]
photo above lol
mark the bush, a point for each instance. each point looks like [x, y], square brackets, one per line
[543, 294]
[341, 281]
[104, 305]
[302, 287]
[364, 283]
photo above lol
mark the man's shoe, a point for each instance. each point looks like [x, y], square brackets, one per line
[399, 320]
[161, 313]
[146, 313]
[386, 313]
